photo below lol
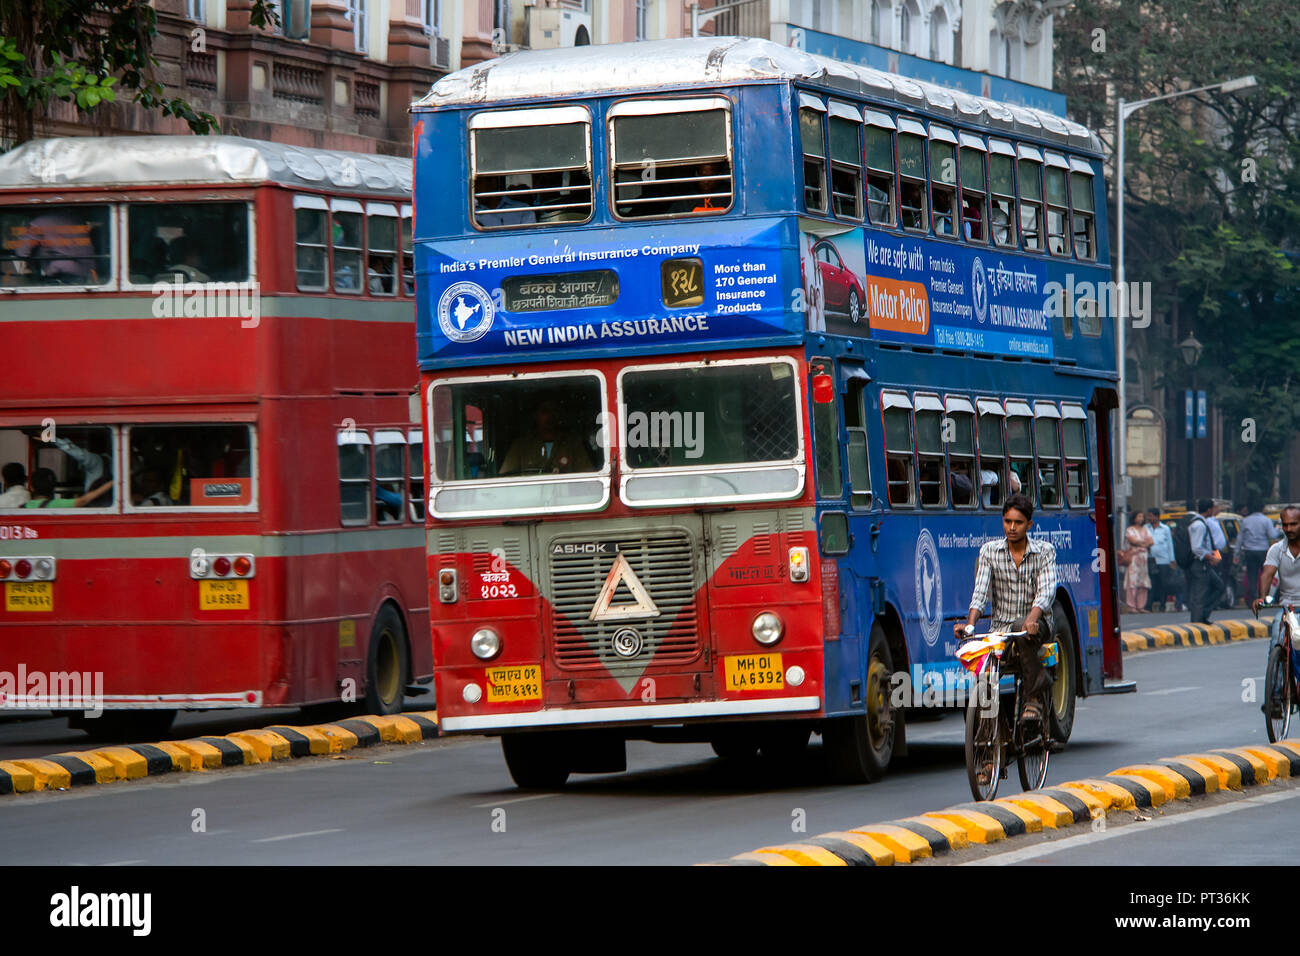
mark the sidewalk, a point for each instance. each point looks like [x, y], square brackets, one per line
[1148, 632]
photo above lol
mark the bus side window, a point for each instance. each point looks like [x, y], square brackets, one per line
[1031, 201]
[931, 464]
[992, 452]
[1075, 446]
[1002, 187]
[311, 244]
[880, 170]
[959, 436]
[1081, 198]
[390, 476]
[814, 160]
[381, 249]
[1058, 206]
[1020, 448]
[855, 423]
[943, 181]
[416, 457]
[899, 463]
[1048, 442]
[911, 171]
[846, 167]
[974, 190]
[530, 167]
[354, 477]
[826, 435]
[408, 252]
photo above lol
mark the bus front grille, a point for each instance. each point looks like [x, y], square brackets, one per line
[664, 564]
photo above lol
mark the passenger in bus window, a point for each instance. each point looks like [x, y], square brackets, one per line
[43, 484]
[60, 247]
[504, 202]
[185, 259]
[989, 487]
[547, 449]
[148, 490]
[15, 493]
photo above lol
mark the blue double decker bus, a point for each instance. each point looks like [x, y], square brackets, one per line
[729, 357]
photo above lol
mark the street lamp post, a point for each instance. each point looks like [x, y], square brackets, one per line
[1127, 109]
[1191, 350]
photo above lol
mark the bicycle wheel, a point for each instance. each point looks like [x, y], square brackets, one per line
[1277, 690]
[1032, 756]
[984, 742]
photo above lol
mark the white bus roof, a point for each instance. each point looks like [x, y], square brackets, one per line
[664, 64]
[198, 160]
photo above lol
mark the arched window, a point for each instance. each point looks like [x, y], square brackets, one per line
[875, 21]
[905, 30]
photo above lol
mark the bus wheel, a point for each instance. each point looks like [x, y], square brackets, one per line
[1063, 677]
[386, 666]
[535, 761]
[859, 748]
[115, 725]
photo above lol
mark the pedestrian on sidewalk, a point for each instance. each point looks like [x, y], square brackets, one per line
[1204, 587]
[1136, 579]
[1257, 534]
[1161, 566]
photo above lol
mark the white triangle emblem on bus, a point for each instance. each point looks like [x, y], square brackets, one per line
[605, 610]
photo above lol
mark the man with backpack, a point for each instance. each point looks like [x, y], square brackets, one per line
[1195, 553]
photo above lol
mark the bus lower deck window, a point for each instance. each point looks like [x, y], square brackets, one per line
[531, 167]
[45, 245]
[1020, 446]
[1076, 461]
[1049, 461]
[898, 457]
[993, 462]
[672, 158]
[197, 242]
[930, 477]
[961, 458]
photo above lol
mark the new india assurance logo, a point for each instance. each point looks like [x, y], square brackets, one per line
[929, 587]
[465, 312]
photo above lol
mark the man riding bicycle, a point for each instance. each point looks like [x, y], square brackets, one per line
[1020, 574]
[1282, 562]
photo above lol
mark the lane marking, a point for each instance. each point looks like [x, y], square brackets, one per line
[294, 836]
[1170, 690]
[502, 803]
[1033, 852]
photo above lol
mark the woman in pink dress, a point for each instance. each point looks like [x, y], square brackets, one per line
[1136, 579]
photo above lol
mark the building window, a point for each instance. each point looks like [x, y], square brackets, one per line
[935, 49]
[642, 19]
[905, 29]
[431, 11]
[194, 9]
[295, 18]
[875, 21]
[359, 15]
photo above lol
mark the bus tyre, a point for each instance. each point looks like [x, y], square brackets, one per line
[386, 664]
[535, 761]
[1064, 676]
[859, 748]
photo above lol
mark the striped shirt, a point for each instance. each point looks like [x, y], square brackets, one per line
[1014, 590]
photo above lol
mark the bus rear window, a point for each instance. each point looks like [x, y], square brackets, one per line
[197, 242]
[55, 245]
[531, 167]
[671, 158]
[190, 466]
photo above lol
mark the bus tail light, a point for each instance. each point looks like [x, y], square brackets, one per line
[242, 565]
[798, 565]
[221, 565]
[830, 601]
[205, 566]
[447, 586]
[29, 568]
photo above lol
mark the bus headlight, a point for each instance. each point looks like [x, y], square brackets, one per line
[767, 628]
[486, 644]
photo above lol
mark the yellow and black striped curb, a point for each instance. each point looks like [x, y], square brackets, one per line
[1191, 635]
[133, 761]
[1135, 787]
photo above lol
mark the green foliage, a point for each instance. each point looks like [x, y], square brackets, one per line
[1212, 190]
[77, 51]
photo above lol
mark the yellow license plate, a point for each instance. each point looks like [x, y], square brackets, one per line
[223, 595]
[514, 683]
[755, 672]
[33, 596]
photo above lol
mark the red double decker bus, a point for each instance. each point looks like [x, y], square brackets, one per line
[213, 486]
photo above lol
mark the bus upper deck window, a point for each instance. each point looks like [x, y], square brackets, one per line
[345, 235]
[814, 155]
[992, 451]
[1002, 187]
[354, 477]
[880, 169]
[930, 476]
[381, 249]
[1031, 199]
[943, 181]
[199, 242]
[1058, 206]
[408, 252]
[55, 245]
[531, 167]
[846, 161]
[1081, 198]
[897, 413]
[974, 190]
[311, 242]
[911, 172]
[671, 158]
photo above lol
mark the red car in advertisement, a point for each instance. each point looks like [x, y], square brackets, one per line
[843, 289]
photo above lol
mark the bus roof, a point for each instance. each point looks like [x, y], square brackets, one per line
[206, 160]
[660, 64]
